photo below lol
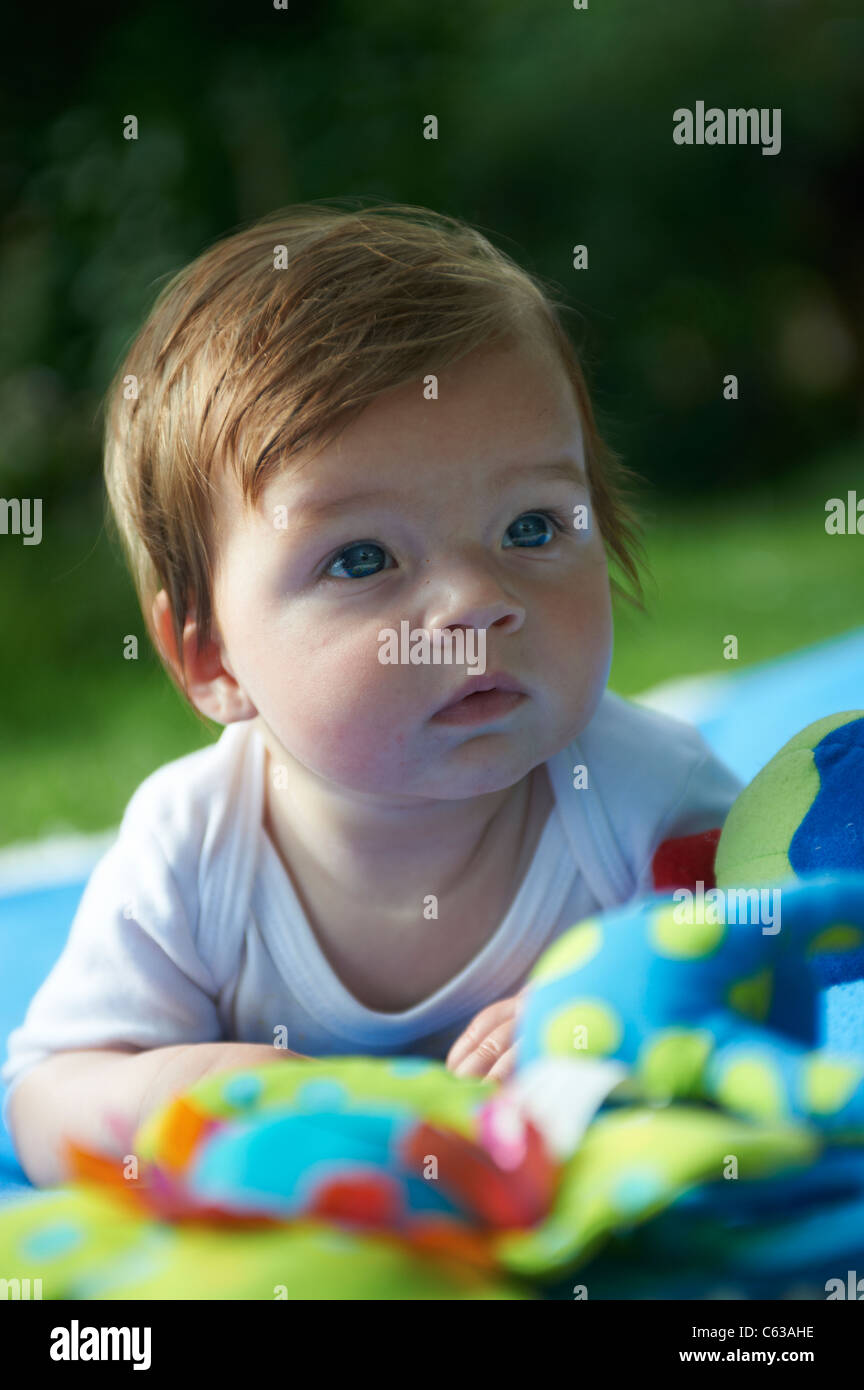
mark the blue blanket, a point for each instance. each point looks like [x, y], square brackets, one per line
[33, 930]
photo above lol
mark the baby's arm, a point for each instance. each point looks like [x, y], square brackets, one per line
[69, 1094]
[129, 1014]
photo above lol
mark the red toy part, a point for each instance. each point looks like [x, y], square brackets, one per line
[368, 1199]
[490, 1196]
[686, 861]
[441, 1238]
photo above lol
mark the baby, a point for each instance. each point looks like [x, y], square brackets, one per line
[335, 426]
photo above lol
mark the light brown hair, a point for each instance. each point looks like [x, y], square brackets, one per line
[274, 339]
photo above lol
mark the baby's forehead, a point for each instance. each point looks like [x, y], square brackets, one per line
[246, 519]
[496, 411]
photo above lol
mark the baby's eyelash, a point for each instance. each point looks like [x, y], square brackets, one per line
[560, 522]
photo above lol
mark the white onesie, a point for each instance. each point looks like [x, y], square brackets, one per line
[190, 930]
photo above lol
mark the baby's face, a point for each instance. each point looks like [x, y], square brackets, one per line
[451, 523]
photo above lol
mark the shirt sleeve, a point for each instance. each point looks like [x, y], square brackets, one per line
[130, 974]
[704, 803]
[657, 778]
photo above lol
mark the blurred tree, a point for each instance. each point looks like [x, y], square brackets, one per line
[555, 129]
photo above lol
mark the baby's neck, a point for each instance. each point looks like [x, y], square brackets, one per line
[347, 854]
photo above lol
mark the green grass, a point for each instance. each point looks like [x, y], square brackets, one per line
[764, 571]
[80, 727]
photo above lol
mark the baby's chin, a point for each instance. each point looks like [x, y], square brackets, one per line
[478, 767]
[459, 765]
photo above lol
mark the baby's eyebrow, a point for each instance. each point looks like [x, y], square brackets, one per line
[566, 470]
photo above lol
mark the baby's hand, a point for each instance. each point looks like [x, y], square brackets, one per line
[486, 1048]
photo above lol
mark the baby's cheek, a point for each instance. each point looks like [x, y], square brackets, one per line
[595, 628]
[344, 712]
[581, 642]
[578, 615]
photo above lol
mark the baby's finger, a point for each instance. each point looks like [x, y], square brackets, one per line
[479, 1028]
[504, 1067]
[490, 1050]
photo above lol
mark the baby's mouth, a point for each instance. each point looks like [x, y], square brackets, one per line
[481, 699]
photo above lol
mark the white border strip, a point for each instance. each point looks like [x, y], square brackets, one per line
[693, 698]
[54, 860]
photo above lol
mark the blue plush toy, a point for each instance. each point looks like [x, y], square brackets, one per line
[716, 995]
[804, 812]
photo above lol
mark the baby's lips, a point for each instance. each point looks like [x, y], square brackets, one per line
[478, 685]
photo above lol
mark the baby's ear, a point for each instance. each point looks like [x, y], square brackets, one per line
[163, 631]
[208, 683]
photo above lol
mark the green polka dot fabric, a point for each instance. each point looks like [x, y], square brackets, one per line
[722, 1008]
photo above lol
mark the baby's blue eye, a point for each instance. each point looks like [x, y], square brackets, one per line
[530, 537]
[363, 559]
